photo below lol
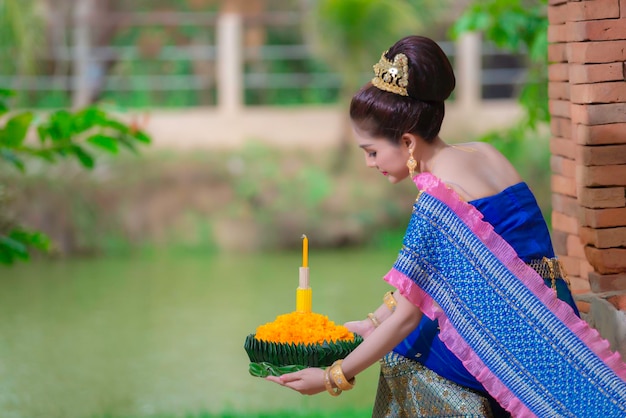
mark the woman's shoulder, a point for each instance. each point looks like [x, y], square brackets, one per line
[477, 170]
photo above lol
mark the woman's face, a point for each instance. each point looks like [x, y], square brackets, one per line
[388, 158]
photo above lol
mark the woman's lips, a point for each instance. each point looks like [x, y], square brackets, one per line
[384, 173]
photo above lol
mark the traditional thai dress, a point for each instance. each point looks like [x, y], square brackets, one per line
[500, 322]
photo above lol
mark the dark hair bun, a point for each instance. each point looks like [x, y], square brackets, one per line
[431, 77]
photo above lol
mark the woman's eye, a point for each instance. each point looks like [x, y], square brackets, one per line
[371, 154]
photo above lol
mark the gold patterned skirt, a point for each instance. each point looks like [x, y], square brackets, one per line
[408, 389]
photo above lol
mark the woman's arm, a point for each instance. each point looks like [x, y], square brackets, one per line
[382, 339]
[365, 326]
[391, 331]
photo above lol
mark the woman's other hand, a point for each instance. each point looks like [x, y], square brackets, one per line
[307, 381]
[363, 328]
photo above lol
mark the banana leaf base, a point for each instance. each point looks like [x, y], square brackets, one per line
[269, 358]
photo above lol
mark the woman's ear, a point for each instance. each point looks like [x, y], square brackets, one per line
[409, 140]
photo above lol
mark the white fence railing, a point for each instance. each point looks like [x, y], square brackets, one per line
[224, 76]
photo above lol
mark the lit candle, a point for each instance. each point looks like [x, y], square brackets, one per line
[304, 293]
[305, 251]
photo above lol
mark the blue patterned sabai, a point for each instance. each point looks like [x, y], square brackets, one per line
[524, 344]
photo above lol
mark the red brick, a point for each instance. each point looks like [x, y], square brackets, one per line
[598, 114]
[565, 167]
[559, 108]
[559, 241]
[601, 154]
[595, 30]
[564, 223]
[567, 205]
[601, 283]
[563, 185]
[561, 127]
[588, 235]
[603, 218]
[619, 301]
[557, 33]
[575, 247]
[610, 92]
[571, 265]
[558, 71]
[595, 73]
[557, 53]
[601, 197]
[611, 133]
[585, 270]
[594, 52]
[558, 91]
[590, 10]
[602, 175]
[604, 237]
[564, 147]
[607, 260]
[557, 14]
[622, 8]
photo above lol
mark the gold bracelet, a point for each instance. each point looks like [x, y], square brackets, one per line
[374, 320]
[338, 377]
[329, 386]
[390, 301]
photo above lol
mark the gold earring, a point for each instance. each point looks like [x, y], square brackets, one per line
[411, 163]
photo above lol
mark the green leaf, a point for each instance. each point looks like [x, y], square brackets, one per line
[264, 369]
[115, 125]
[83, 156]
[10, 156]
[35, 239]
[42, 131]
[45, 154]
[87, 118]
[128, 143]
[141, 136]
[60, 125]
[16, 129]
[14, 246]
[105, 142]
[6, 256]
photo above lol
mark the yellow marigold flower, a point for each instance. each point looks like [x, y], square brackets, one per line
[303, 328]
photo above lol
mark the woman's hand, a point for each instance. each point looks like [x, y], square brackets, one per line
[363, 328]
[307, 381]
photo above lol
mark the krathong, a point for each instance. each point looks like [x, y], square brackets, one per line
[298, 339]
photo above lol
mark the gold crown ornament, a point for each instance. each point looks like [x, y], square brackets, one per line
[392, 76]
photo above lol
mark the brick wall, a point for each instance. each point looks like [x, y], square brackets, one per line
[587, 91]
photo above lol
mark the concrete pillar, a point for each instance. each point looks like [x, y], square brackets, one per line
[229, 63]
[468, 71]
[81, 95]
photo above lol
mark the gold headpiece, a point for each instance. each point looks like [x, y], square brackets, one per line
[392, 76]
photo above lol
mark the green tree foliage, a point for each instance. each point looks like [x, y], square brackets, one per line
[61, 134]
[518, 26]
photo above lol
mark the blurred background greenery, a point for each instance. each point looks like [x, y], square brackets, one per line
[160, 261]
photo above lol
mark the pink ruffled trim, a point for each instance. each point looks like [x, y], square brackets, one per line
[506, 254]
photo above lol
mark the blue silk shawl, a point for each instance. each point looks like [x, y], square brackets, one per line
[530, 350]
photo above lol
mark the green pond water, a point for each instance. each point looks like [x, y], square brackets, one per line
[162, 334]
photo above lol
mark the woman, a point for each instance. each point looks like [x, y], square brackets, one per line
[472, 329]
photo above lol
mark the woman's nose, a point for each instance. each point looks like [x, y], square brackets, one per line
[370, 161]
